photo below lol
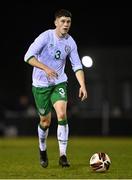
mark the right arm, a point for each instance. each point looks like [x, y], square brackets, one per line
[33, 52]
[50, 72]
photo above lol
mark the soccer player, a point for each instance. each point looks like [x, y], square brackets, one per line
[48, 54]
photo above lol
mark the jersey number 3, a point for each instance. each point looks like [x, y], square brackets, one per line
[57, 54]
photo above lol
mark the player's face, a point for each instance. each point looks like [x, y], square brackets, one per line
[63, 25]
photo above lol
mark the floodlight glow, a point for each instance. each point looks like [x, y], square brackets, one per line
[87, 61]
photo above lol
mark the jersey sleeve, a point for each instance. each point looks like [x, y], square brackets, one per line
[36, 47]
[74, 58]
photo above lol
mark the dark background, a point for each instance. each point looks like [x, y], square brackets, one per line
[104, 33]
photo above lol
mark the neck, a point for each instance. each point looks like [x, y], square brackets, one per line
[59, 35]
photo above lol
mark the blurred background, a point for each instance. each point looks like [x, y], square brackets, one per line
[104, 34]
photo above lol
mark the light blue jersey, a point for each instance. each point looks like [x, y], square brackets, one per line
[52, 51]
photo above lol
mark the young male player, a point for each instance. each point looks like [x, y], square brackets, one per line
[48, 54]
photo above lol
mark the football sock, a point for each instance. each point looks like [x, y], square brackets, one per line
[42, 135]
[62, 136]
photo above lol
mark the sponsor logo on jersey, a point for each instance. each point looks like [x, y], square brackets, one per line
[51, 45]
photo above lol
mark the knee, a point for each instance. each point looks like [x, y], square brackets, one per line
[61, 115]
[45, 122]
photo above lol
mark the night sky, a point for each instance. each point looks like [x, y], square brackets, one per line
[23, 21]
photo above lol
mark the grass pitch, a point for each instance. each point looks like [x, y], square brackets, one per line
[19, 158]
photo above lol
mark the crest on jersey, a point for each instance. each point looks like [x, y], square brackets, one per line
[67, 49]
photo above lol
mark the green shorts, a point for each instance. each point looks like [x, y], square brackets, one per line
[45, 97]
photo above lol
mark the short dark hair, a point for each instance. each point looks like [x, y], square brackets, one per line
[63, 12]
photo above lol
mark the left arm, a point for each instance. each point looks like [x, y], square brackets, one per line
[78, 69]
[82, 91]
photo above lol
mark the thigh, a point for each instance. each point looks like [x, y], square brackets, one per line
[60, 107]
[42, 99]
[59, 100]
[59, 93]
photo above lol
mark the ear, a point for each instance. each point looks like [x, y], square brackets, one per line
[55, 22]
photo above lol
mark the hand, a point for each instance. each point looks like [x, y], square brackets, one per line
[82, 93]
[51, 73]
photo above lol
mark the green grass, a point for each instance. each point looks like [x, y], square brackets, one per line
[19, 158]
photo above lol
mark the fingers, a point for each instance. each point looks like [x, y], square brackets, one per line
[82, 94]
[84, 97]
[52, 74]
